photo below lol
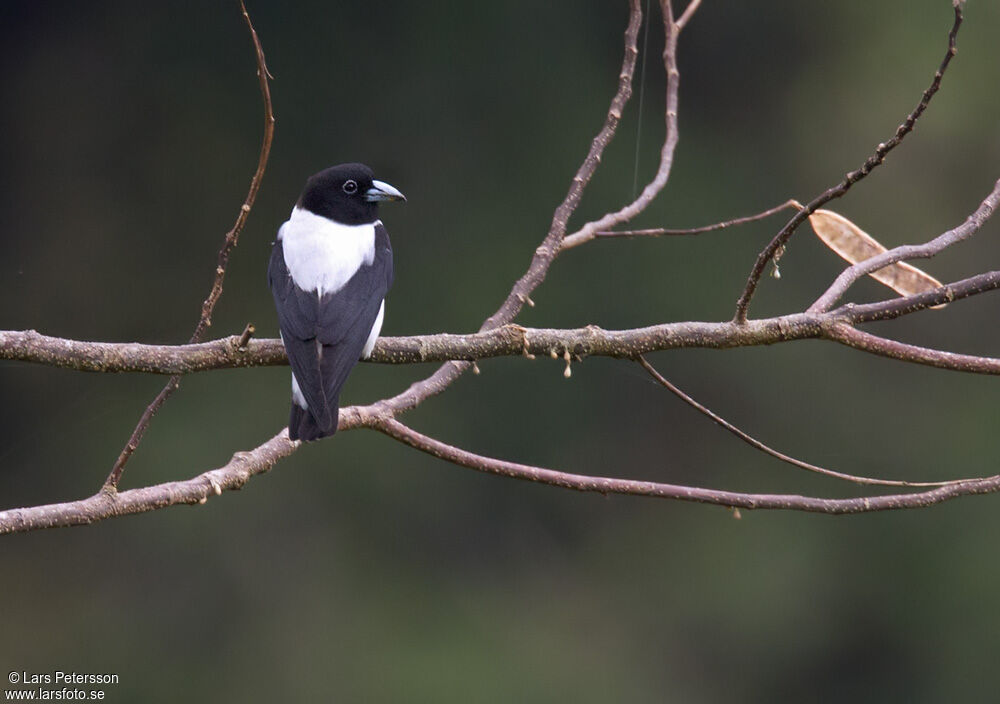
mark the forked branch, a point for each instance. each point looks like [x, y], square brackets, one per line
[875, 160]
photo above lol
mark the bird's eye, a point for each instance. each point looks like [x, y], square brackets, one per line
[350, 187]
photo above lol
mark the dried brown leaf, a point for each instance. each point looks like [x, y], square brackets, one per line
[855, 245]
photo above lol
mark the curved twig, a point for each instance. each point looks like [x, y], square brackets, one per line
[228, 244]
[666, 231]
[942, 359]
[671, 29]
[788, 459]
[520, 293]
[729, 499]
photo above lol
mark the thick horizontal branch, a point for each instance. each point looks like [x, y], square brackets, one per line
[224, 353]
[507, 340]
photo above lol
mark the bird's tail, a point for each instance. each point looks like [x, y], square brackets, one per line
[302, 425]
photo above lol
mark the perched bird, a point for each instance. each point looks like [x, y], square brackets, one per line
[330, 270]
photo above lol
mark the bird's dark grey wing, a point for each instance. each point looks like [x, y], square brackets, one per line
[298, 312]
[346, 317]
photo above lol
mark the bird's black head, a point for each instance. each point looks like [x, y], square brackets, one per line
[346, 193]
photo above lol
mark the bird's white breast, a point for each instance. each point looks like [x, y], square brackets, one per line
[322, 255]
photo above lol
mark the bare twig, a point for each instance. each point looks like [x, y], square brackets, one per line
[109, 503]
[547, 251]
[663, 231]
[634, 487]
[757, 444]
[897, 307]
[687, 14]
[743, 304]
[967, 229]
[901, 351]
[653, 188]
[229, 243]
[244, 338]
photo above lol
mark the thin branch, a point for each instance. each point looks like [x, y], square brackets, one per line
[546, 252]
[967, 229]
[687, 14]
[633, 487]
[229, 243]
[663, 231]
[244, 338]
[653, 188]
[109, 503]
[897, 307]
[642, 96]
[779, 241]
[757, 444]
[233, 236]
[901, 351]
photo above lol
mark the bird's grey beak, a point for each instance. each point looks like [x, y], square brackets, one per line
[381, 190]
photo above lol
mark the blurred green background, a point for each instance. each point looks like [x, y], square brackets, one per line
[360, 570]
